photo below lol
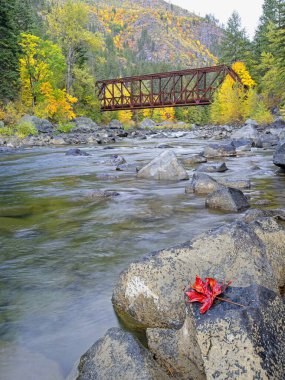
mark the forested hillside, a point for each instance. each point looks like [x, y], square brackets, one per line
[53, 51]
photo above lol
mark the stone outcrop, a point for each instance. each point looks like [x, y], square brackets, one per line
[42, 125]
[164, 167]
[118, 355]
[247, 132]
[227, 199]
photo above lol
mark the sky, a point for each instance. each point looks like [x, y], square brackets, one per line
[249, 10]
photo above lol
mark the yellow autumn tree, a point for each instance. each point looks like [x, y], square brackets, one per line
[234, 102]
[55, 105]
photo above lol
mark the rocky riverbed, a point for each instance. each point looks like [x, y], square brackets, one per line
[74, 217]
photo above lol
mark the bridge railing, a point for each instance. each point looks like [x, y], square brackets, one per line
[174, 88]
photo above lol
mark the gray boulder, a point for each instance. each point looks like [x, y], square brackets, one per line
[266, 141]
[150, 290]
[218, 167]
[164, 167]
[227, 199]
[195, 159]
[76, 152]
[115, 124]
[84, 125]
[119, 355]
[279, 155]
[219, 150]
[247, 132]
[42, 125]
[202, 184]
[147, 123]
[243, 342]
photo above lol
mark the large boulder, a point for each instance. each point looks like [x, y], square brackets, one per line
[243, 342]
[227, 199]
[42, 125]
[279, 155]
[150, 290]
[219, 150]
[229, 341]
[247, 132]
[202, 184]
[164, 167]
[147, 123]
[119, 355]
[84, 125]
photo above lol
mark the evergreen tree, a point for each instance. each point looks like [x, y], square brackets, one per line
[235, 44]
[8, 51]
[16, 16]
[269, 15]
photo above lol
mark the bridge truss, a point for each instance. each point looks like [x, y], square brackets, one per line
[168, 89]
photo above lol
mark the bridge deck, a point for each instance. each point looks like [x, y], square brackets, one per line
[168, 89]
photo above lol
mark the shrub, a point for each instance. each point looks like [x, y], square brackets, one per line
[24, 129]
[65, 128]
[6, 131]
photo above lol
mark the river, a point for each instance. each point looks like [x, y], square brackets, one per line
[61, 252]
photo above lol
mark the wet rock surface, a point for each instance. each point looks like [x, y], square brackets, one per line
[202, 183]
[76, 152]
[279, 155]
[218, 167]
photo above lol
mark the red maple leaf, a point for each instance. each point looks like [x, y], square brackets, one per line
[205, 292]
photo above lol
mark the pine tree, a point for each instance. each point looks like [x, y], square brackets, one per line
[235, 44]
[8, 51]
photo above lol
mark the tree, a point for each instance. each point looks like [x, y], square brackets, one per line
[235, 44]
[16, 16]
[68, 25]
[41, 61]
[270, 15]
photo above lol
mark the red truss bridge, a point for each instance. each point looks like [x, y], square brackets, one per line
[190, 87]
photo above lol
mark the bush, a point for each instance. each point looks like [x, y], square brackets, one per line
[65, 128]
[6, 131]
[24, 129]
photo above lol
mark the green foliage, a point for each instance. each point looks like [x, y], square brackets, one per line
[65, 128]
[16, 16]
[24, 129]
[6, 131]
[234, 44]
[84, 90]
[41, 62]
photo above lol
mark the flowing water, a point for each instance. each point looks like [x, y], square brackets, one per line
[61, 252]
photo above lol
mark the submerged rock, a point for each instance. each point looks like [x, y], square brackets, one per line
[76, 152]
[236, 183]
[219, 150]
[119, 355]
[164, 167]
[102, 194]
[218, 167]
[227, 199]
[195, 159]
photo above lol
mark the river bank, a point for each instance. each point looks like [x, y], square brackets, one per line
[63, 250]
